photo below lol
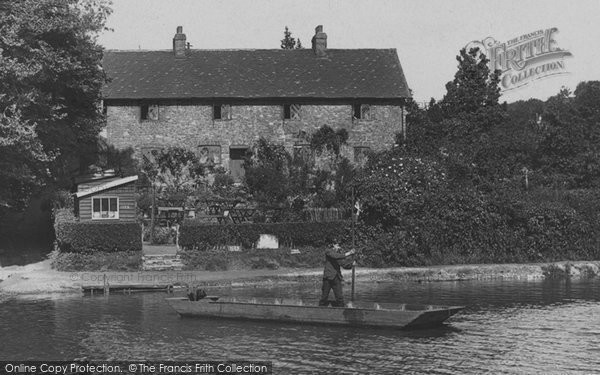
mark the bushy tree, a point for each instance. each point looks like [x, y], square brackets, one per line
[474, 86]
[393, 188]
[569, 151]
[325, 138]
[468, 130]
[50, 80]
[267, 172]
[289, 42]
[173, 170]
[22, 161]
[121, 161]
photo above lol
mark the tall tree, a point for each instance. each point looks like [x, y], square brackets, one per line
[474, 86]
[50, 80]
[289, 42]
[569, 150]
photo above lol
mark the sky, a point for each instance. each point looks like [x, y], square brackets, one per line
[427, 34]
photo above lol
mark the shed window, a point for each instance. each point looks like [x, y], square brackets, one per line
[222, 112]
[362, 111]
[292, 111]
[149, 112]
[105, 208]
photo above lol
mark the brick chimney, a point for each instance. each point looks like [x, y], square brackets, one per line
[319, 42]
[179, 43]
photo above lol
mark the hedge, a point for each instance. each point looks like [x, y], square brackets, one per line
[464, 226]
[223, 260]
[96, 261]
[198, 235]
[88, 236]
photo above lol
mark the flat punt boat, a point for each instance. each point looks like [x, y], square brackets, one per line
[294, 310]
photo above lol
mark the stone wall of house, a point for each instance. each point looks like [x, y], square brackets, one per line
[192, 126]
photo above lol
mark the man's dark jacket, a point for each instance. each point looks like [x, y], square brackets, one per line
[332, 264]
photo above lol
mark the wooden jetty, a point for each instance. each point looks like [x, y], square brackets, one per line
[127, 288]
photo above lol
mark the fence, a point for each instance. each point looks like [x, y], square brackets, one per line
[327, 214]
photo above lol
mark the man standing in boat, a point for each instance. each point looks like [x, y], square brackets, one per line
[332, 275]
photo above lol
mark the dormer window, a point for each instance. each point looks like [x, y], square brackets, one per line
[362, 111]
[292, 111]
[149, 112]
[222, 112]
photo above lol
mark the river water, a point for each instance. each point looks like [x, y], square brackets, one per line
[508, 327]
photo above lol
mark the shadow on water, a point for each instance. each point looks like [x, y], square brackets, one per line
[24, 254]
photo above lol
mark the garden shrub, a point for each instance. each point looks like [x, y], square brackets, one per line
[62, 215]
[466, 226]
[87, 236]
[325, 138]
[222, 259]
[161, 235]
[194, 234]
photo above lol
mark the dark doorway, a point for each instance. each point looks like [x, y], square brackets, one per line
[236, 162]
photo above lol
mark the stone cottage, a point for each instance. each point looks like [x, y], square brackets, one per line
[218, 102]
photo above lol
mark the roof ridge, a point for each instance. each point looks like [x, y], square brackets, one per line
[250, 49]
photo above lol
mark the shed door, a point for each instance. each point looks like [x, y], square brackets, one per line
[236, 162]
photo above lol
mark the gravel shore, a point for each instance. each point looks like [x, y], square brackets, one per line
[39, 278]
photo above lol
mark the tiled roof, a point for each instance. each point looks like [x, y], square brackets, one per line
[247, 74]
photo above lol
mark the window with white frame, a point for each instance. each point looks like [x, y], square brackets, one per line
[149, 112]
[105, 208]
[222, 112]
[292, 111]
[362, 112]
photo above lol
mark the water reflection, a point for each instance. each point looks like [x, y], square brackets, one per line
[508, 327]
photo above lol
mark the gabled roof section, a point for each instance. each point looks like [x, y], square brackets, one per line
[253, 74]
[105, 186]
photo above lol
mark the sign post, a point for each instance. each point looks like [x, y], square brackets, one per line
[353, 263]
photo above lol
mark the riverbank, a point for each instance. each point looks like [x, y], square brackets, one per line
[39, 278]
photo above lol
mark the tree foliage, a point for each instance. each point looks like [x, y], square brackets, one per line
[474, 86]
[267, 172]
[569, 149]
[325, 138]
[173, 169]
[289, 42]
[50, 80]
[274, 177]
[394, 187]
[21, 160]
[480, 181]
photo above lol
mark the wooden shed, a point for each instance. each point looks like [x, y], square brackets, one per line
[112, 199]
